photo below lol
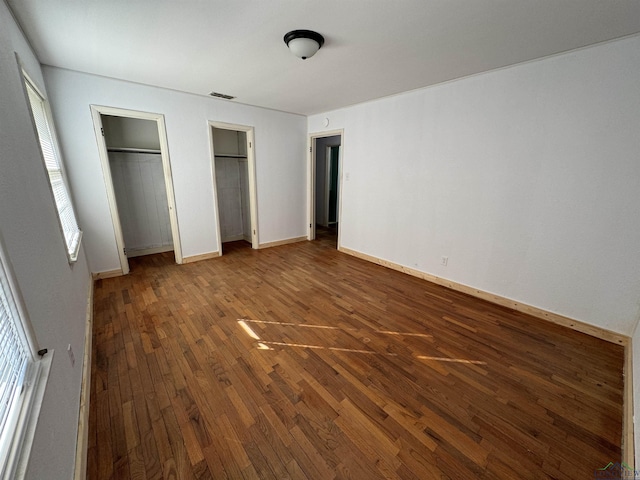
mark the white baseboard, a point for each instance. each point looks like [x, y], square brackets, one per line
[628, 428]
[85, 392]
[283, 242]
[233, 238]
[537, 312]
[202, 256]
[106, 274]
[148, 251]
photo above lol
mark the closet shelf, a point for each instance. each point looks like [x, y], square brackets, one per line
[230, 155]
[132, 150]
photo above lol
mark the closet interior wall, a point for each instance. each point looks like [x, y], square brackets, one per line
[232, 184]
[138, 180]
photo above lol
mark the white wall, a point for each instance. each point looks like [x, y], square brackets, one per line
[279, 151]
[527, 178]
[54, 292]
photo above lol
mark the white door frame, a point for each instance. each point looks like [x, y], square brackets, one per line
[251, 164]
[327, 200]
[311, 197]
[96, 113]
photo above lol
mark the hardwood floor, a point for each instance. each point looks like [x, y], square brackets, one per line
[302, 362]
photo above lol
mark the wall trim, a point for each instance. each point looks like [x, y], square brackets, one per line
[311, 179]
[537, 312]
[252, 180]
[202, 256]
[628, 434]
[96, 115]
[106, 274]
[282, 242]
[235, 238]
[82, 441]
[149, 251]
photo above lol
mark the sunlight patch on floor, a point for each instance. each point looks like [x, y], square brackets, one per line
[451, 360]
[265, 344]
[332, 327]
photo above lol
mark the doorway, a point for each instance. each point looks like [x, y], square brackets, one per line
[325, 186]
[332, 156]
[232, 148]
[137, 173]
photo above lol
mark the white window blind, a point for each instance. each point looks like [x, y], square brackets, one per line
[68, 222]
[17, 364]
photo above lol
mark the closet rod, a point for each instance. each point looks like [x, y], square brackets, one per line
[133, 150]
[229, 155]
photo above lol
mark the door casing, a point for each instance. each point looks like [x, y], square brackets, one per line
[253, 197]
[311, 179]
[96, 113]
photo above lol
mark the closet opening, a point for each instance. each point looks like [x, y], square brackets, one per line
[137, 173]
[234, 186]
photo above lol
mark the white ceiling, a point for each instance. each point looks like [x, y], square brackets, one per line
[373, 48]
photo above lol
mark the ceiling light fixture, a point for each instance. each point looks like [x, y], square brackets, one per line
[303, 43]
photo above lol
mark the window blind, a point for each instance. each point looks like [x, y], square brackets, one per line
[15, 358]
[68, 222]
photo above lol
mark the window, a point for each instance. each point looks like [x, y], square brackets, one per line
[72, 234]
[20, 377]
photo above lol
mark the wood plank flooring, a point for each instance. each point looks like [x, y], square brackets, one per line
[302, 362]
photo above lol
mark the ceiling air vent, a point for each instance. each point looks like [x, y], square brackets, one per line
[222, 95]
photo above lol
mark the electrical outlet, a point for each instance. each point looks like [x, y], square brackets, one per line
[71, 356]
[444, 261]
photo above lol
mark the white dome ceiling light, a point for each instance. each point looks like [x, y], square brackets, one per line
[303, 43]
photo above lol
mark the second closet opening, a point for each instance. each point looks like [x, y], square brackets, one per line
[233, 181]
